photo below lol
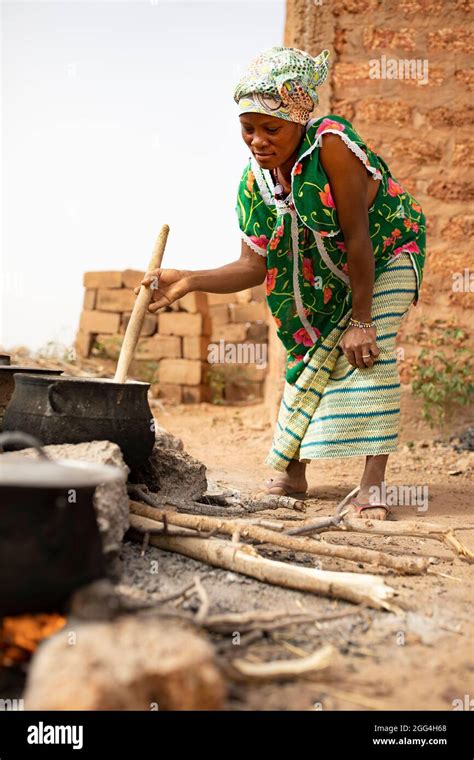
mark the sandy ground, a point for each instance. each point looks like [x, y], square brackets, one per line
[420, 660]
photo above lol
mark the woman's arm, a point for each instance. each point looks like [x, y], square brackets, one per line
[348, 180]
[244, 273]
[170, 284]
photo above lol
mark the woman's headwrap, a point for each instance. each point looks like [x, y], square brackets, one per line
[282, 82]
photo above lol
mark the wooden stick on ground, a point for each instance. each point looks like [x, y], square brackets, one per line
[359, 588]
[268, 620]
[317, 526]
[204, 599]
[409, 565]
[279, 669]
[413, 528]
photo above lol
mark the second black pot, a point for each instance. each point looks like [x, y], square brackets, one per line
[69, 409]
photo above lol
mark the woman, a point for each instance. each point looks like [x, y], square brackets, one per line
[341, 245]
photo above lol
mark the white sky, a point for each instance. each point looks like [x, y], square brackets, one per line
[117, 117]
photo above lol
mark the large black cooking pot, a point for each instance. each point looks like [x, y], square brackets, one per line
[50, 543]
[76, 409]
[7, 381]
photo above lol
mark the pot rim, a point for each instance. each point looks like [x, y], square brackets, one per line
[12, 368]
[24, 377]
[27, 472]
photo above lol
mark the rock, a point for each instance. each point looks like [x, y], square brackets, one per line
[133, 663]
[98, 600]
[167, 440]
[466, 440]
[464, 464]
[110, 500]
[173, 473]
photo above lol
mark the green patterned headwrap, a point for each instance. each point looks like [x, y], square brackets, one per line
[282, 82]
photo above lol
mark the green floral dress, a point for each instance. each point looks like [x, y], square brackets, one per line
[307, 284]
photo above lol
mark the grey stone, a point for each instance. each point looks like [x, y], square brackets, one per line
[167, 440]
[173, 473]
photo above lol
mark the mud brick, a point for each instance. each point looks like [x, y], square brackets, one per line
[159, 347]
[194, 302]
[90, 298]
[451, 190]
[179, 323]
[463, 153]
[83, 344]
[182, 371]
[108, 345]
[99, 322]
[459, 227]
[247, 312]
[397, 112]
[167, 392]
[376, 38]
[219, 314]
[103, 279]
[235, 392]
[150, 324]
[115, 300]
[195, 347]
[243, 296]
[206, 325]
[131, 278]
[257, 331]
[258, 293]
[219, 299]
[232, 333]
[195, 394]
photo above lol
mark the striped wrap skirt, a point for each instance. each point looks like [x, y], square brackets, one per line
[337, 410]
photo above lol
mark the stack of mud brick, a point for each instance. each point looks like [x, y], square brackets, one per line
[173, 350]
[239, 319]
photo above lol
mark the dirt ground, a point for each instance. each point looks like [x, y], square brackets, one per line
[419, 660]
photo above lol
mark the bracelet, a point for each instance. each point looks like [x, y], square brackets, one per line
[363, 325]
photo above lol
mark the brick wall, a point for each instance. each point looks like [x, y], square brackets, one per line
[423, 131]
[204, 347]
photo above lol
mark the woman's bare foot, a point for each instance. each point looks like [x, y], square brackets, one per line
[366, 511]
[293, 480]
[368, 504]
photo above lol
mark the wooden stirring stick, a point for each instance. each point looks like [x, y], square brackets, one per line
[140, 309]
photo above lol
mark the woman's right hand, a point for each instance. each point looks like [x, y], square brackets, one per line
[166, 285]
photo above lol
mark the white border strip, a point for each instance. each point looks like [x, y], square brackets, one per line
[296, 284]
[262, 184]
[252, 245]
[355, 149]
[327, 259]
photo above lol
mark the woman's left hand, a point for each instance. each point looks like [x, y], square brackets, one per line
[360, 346]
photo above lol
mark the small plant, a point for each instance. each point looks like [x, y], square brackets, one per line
[108, 347]
[144, 371]
[217, 383]
[220, 376]
[56, 351]
[443, 380]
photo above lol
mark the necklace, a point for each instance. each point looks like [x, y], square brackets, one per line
[279, 189]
